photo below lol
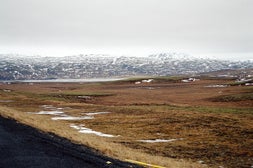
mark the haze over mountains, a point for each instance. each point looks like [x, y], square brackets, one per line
[21, 67]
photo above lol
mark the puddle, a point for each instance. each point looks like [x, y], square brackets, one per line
[85, 130]
[160, 140]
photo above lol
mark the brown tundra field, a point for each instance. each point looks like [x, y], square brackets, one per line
[164, 121]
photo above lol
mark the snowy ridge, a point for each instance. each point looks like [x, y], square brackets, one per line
[20, 67]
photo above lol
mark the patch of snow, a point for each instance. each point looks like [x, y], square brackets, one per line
[185, 80]
[47, 106]
[60, 115]
[7, 90]
[96, 113]
[90, 131]
[193, 79]
[150, 88]
[201, 162]
[144, 81]
[72, 118]
[147, 80]
[243, 80]
[85, 130]
[84, 97]
[48, 112]
[160, 140]
[248, 84]
[190, 80]
[216, 86]
[75, 126]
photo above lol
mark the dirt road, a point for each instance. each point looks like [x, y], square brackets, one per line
[25, 147]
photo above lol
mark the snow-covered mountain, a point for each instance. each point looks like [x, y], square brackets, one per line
[172, 56]
[20, 67]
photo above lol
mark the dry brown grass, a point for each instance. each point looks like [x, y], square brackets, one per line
[219, 133]
[106, 147]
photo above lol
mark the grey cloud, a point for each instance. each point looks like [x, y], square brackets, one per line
[211, 25]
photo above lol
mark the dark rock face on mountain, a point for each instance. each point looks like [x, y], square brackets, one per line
[18, 67]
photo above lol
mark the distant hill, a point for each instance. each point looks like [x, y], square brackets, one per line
[21, 67]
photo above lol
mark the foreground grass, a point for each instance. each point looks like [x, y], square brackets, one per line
[201, 109]
[44, 123]
[200, 127]
[234, 97]
[218, 133]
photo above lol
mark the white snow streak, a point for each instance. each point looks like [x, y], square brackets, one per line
[72, 118]
[160, 140]
[85, 130]
[96, 113]
[48, 112]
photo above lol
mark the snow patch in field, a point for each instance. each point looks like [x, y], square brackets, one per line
[201, 162]
[7, 90]
[85, 130]
[159, 140]
[190, 80]
[216, 86]
[48, 112]
[90, 131]
[147, 80]
[59, 113]
[72, 118]
[96, 113]
[47, 106]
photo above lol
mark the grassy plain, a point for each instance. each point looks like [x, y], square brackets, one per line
[209, 125]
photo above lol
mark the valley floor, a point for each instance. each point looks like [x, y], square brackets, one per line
[205, 123]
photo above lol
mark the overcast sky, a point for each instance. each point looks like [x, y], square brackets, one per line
[129, 27]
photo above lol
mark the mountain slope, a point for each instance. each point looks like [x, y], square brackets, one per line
[19, 67]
